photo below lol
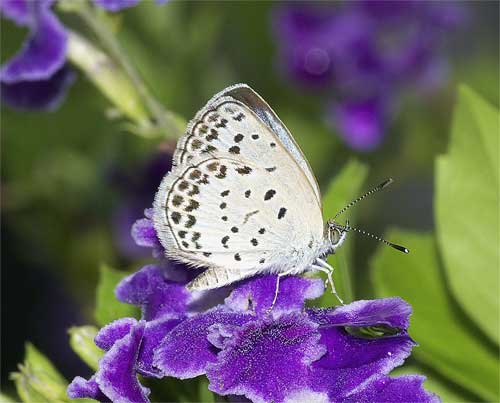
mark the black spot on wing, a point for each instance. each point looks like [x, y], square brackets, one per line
[238, 137]
[246, 170]
[262, 230]
[224, 218]
[234, 150]
[222, 172]
[269, 194]
[193, 205]
[281, 213]
[237, 257]
[254, 242]
[255, 136]
[176, 217]
[248, 193]
[224, 193]
[222, 206]
[271, 169]
[224, 241]
[177, 200]
[222, 123]
[234, 230]
[239, 117]
[191, 221]
[194, 191]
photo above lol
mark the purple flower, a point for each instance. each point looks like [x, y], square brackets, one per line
[37, 77]
[365, 50]
[287, 355]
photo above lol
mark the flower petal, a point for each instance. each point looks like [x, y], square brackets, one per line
[117, 369]
[17, 11]
[154, 333]
[111, 333]
[351, 361]
[256, 295]
[156, 295]
[258, 360]
[39, 95]
[115, 5]
[144, 233]
[185, 351]
[393, 312]
[43, 54]
[80, 388]
[402, 389]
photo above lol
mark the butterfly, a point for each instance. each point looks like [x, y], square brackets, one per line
[241, 198]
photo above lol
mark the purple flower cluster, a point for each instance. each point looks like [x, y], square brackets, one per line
[288, 354]
[366, 53]
[37, 77]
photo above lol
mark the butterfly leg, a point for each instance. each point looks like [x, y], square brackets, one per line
[326, 268]
[277, 288]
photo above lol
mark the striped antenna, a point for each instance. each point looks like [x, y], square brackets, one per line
[370, 192]
[392, 245]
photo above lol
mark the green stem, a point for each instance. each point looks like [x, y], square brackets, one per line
[161, 121]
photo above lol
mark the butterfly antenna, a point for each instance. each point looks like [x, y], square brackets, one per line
[377, 238]
[370, 192]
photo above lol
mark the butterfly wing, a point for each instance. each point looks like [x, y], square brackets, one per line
[240, 200]
[237, 218]
[237, 121]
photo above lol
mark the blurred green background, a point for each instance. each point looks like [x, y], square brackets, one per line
[67, 175]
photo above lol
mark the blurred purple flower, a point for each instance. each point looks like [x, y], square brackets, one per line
[37, 78]
[290, 354]
[365, 50]
[137, 187]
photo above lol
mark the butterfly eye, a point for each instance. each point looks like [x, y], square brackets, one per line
[335, 236]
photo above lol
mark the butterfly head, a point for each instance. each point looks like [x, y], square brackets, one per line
[336, 233]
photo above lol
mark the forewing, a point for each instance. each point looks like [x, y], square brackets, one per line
[238, 123]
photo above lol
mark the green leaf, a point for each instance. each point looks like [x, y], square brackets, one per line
[444, 390]
[108, 308]
[467, 210]
[81, 340]
[204, 394]
[345, 187]
[447, 343]
[38, 380]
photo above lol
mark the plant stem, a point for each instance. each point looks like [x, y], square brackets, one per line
[160, 118]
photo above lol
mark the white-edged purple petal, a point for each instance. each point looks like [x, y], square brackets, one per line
[43, 54]
[111, 333]
[154, 333]
[351, 361]
[393, 312]
[186, 351]
[156, 295]
[267, 360]
[256, 294]
[80, 388]
[117, 376]
[144, 233]
[401, 389]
